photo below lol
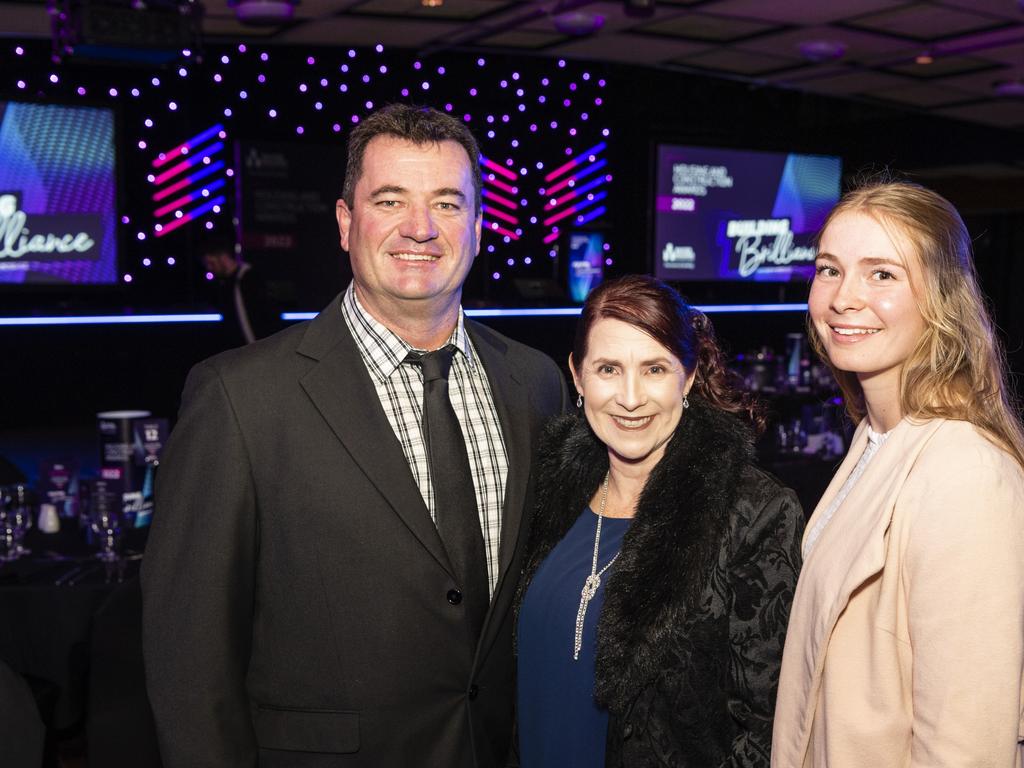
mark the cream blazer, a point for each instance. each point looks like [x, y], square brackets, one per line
[905, 645]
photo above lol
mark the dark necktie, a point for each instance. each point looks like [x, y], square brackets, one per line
[455, 510]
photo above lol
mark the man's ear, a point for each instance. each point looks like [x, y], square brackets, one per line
[344, 216]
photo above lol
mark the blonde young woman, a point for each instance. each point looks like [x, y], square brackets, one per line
[905, 644]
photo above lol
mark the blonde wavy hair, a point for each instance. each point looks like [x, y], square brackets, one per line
[958, 369]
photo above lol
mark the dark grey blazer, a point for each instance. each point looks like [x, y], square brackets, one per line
[295, 589]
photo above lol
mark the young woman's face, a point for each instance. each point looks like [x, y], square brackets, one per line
[633, 389]
[862, 303]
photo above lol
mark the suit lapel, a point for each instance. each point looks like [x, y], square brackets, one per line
[343, 393]
[852, 548]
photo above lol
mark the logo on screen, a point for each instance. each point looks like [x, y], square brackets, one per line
[18, 240]
[764, 243]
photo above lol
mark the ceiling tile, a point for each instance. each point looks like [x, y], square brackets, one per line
[942, 66]
[798, 11]
[702, 26]
[921, 95]
[24, 20]
[521, 38]
[736, 62]
[859, 45]
[451, 9]
[842, 82]
[352, 30]
[925, 21]
[629, 49]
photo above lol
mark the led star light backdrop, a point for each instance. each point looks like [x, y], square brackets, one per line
[57, 195]
[739, 215]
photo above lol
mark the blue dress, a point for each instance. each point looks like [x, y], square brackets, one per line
[560, 725]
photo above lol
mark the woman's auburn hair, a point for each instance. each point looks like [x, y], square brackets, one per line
[958, 369]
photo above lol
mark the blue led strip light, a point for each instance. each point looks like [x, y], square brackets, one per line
[113, 319]
[573, 311]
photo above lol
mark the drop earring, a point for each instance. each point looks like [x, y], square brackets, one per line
[579, 400]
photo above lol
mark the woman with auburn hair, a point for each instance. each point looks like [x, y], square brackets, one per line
[662, 562]
[906, 640]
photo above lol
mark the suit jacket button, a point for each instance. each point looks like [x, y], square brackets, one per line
[474, 691]
[454, 596]
[627, 731]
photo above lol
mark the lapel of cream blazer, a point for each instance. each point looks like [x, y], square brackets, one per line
[850, 550]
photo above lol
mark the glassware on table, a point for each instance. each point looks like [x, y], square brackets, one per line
[104, 515]
[17, 503]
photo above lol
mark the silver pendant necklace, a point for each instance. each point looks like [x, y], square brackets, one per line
[593, 581]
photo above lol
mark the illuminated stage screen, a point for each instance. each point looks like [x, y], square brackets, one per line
[57, 195]
[739, 215]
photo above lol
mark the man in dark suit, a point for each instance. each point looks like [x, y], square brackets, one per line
[312, 596]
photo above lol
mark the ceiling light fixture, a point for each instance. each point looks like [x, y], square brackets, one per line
[638, 7]
[924, 57]
[578, 23]
[1010, 88]
[263, 12]
[431, 3]
[822, 50]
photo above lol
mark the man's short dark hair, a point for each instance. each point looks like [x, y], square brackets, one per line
[420, 125]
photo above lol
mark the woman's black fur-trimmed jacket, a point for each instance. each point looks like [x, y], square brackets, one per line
[690, 638]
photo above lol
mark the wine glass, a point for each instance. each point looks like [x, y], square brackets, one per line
[104, 515]
[16, 505]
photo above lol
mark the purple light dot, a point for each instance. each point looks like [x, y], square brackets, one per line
[54, 78]
[19, 51]
[605, 132]
[417, 65]
[440, 70]
[515, 143]
[151, 178]
[127, 278]
[323, 82]
[215, 209]
[369, 105]
[542, 98]
[142, 144]
[480, 62]
[607, 246]
[351, 53]
[261, 78]
[533, 127]
[355, 118]
[217, 78]
[568, 150]
[448, 107]
[533, 219]
[472, 91]
[303, 88]
[318, 106]
[608, 177]
[125, 220]
[522, 107]
[300, 130]
[467, 117]
[206, 161]
[523, 202]
[310, 60]
[522, 171]
[343, 88]
[490, 134]
[80, 91]
[209, 275]
[586, 75]
[225, 60]
[572, 131]
[171, 261]
[141, 235]
[510, 262]
[545, 82]
[173, 106]
[146, 262]
[378, 48]
[504, 83]
[600, 83]
[572, 86]
[490, 118]
[496, 276]
[561, 63]
[554, 124]
[182, 72]
[490, 249]
[383, 69]
[228, 112]
[519, 92]
[540, 165]
[566, 102]
[113, 93]
[608, 262]
[243, 95]
[528, 260]
[336, 127]
[508, 161]
[230, 172]
[598, 101]
[21, 84]
[584, 117]
[425, 85]
[272, 112]
[344, 68]
[178, 214]
[405, 92]
[209, 225]
[504, 118]
[515, 75]
[264, 56]
[241, 48]
[366, 78]
[135, 92]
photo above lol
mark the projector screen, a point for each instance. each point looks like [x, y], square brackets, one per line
[738, 215]
[57, 195]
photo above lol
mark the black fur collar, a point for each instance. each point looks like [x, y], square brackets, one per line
[671, 547]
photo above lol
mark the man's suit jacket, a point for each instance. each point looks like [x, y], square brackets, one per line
[905, 645]
[298, 604]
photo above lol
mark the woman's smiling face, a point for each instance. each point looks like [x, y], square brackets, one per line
[633, 389]
[862, 302]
